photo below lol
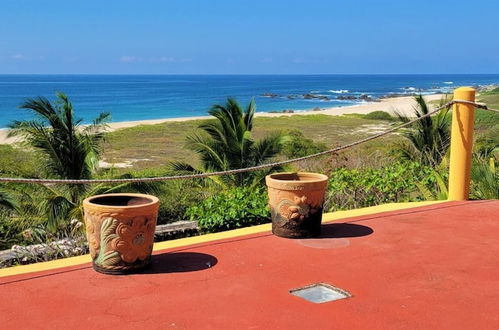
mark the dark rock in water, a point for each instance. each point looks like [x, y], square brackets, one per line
[309, 96]
[366, 97]
[362, 97]
[282, 111]
[316, 109]
[346, 97]
[271, 95]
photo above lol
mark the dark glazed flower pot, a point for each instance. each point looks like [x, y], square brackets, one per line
[296, 201]
[120, 231]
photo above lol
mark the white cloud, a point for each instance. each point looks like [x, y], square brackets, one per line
[171, 59]
[129, 59]
[168, 59]
[19, 57]
[161, 59]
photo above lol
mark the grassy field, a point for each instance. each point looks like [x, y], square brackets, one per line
[152, 146]
[487, 119]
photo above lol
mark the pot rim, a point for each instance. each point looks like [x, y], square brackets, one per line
[154, 200]
[315, 177]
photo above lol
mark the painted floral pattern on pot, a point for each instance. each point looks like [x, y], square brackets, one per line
[120, 231]
[133, 240]
[298, 210]
[125, 242]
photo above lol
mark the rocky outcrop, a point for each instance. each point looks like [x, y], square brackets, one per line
[309, 96]
[362, 97]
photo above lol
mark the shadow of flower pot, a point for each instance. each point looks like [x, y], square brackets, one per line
[180, 262]
[341, 230]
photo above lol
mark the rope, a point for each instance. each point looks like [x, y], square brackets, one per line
[477, 105]
[247, 169]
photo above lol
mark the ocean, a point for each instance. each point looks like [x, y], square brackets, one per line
[139, 97]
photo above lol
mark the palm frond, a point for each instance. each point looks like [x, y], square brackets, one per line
[485, 179]
[7, 200]
[267, 148]
[430, 136]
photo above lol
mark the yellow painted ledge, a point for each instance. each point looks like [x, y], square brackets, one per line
[327, 217]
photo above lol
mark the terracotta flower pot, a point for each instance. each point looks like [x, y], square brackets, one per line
[120, 231]
[296, 201]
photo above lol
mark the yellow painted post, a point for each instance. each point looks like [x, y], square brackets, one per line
[461, 145]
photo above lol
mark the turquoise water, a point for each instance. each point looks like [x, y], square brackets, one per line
[138, 97]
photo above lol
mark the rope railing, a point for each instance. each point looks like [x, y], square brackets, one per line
[247, 169]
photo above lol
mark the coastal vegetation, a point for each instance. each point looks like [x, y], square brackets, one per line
[61, 149]
[410, 166]
[227, 144]
[429, 138]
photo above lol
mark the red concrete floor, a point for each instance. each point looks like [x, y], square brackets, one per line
[434, 267]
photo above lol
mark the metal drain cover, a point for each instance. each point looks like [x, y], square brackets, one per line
[320, 293]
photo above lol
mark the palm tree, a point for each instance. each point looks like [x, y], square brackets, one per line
[70, 151]
[429, 138]
[67, 150]
[227, 143]
[485, 178]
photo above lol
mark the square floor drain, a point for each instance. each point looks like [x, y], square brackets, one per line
[320, 293]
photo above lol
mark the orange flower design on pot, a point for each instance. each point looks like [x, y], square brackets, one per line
[120, 231]
[134, 241]
[299, 210]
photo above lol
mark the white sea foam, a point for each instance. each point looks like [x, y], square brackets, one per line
[339, 91]
[448, 82]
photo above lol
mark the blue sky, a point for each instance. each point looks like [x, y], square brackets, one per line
[256, 37]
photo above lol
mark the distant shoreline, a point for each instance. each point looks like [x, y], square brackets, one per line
[402, 104]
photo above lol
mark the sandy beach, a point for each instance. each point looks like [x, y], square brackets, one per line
[403, 104]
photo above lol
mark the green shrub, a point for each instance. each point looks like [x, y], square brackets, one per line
[234, 208]
[297, 145]
[9, 234]
[356, 188]
[379, 115]
[176, 197]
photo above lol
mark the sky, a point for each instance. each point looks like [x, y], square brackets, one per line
[248, 37]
